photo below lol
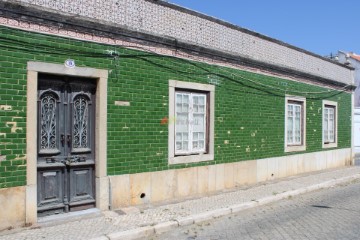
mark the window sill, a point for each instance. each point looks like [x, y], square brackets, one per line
[295, 148]
[329, 145]
[191, 158]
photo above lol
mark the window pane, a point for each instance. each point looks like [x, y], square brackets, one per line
[195, 136]
[182, 121]
[178, 146]
[290, 110]
[290, 130]
[201, 144]
[185, 107]
[298, 129]
[179, 98]
[178, 107]
[329, 124]
[201, 136]
[185, 145]
[178, 137]
[202, 100]
[199, 122]
[196, 108]
[201, 108]
[294, 123]
[326, 137]
[186, 98]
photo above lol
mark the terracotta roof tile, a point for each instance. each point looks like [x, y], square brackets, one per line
[354, 56]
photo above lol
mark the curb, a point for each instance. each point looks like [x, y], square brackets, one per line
[144, 232]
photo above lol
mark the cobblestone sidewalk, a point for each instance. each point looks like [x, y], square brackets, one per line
[155, 219]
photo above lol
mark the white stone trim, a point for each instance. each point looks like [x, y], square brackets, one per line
[295, 148]
[335, 105]
[173, 84]
[101, 181]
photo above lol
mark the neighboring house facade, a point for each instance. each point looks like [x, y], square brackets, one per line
[108, 104]
[353, 60]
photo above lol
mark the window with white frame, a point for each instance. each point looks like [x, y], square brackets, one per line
[295, 111]
[329, 124]
[191, 122]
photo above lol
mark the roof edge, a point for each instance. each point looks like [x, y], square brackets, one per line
[244, 30]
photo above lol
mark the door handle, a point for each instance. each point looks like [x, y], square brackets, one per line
[69, 140]
[62, 139]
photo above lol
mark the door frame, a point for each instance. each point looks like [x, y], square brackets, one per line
[101, 179]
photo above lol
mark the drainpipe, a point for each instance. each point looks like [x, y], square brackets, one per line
[110, 195]
[352, 160]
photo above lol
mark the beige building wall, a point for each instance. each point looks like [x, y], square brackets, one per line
[143, 188]
[136, 189]
[12, 209]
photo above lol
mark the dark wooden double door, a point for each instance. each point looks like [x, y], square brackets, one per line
[66, 143]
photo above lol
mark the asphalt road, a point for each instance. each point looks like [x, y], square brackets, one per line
[326, 214]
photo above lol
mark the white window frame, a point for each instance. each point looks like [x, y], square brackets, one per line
[190, 120]
[180, 86]
[294, 147]
[330, 104]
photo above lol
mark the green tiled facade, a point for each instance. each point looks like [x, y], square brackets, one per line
[249, 107]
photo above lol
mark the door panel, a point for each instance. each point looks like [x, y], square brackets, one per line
[81, 189]
[66, 122]
[50, 190]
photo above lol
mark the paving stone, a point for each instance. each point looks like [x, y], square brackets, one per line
[183, 212]
[332, 213]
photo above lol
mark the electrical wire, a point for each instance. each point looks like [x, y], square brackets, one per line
[16, 44]
[255, 82]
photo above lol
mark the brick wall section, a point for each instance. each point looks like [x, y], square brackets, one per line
[185, 25]
[12, 120]
[249, 118]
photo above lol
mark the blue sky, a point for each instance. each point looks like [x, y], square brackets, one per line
[320, 26]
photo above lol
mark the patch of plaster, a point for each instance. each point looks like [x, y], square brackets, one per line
[5, 107]
[20, 157]
[13, 126]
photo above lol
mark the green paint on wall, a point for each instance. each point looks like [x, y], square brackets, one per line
[249, 107]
